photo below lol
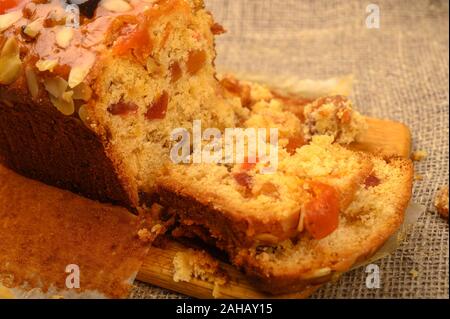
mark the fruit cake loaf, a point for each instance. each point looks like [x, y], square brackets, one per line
[237, 205]
[90, 108]
[375, 214]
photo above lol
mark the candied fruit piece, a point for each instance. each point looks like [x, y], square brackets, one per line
[243, 179]
[249, 163]
[372, 181]
[158, 109]
[322, 211]
[175, 72]
[294, 143]
[122, 108]
[196, 61]
[217, 29]
[7, 4]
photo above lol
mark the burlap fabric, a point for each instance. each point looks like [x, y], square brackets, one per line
[402, 74]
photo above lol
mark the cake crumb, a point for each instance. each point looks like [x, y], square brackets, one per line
[197, 264]
[414, 273]
[418, 177]
[145, 235]
[441, 202]
[419, 155]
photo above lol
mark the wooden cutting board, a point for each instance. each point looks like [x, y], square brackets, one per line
[383, 137]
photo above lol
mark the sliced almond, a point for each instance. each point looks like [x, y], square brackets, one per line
[8, 19]
[32, 82]
[33, 29]
[56, 86]
[11, 48]
[65, 106]
[10, 63]
[78, 74]
[116, 5]
[82, 92]
[64, 36]
[321, 272]
[46, 65]
[67, 96]
[82, 113]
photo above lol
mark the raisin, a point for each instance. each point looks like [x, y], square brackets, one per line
[175, 72]
[122, 108]
[372, 181]
[243, 179]
[158, 109]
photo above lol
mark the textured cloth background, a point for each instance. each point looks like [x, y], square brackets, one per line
[402, 73]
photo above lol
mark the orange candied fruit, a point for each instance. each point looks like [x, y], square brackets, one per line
[217, 29]
[322, 211]
[136, 40]
[294, 143]
[249, 163]
[5, 5]
[196, 61]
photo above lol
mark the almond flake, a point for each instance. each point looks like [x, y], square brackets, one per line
[8, 19]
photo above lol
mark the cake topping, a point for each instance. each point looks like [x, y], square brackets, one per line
[32, 82]
[10, 63]
[64, 104]
[55, 86]
[79, 73]
[6, 5]
[46, 65]
[8, 19]
[33, 29]
[64, 36]
[118, 6]
[82, 92]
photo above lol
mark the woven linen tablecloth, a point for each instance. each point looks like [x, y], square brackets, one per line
[402, 73]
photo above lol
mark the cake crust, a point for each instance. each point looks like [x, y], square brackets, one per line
[41, 143]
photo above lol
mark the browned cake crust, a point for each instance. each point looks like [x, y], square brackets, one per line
[211, 224]
[41, 143]
[49, 228]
